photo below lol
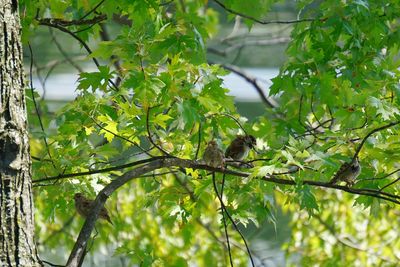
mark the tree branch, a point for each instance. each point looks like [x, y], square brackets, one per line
[258, 20]
[371, 133]
[37, 109]
[93, 9]
[238, 46]
[83, 43]
[66, 23]
[253, 81]
[114, 168]
[165, 162]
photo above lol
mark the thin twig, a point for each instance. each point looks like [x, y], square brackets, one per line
[83, 43]
[312, 109]
[119, 136]
[389, 184]
[380, 178]
[37, 109]
[65, 55]
[206, 227]
[371, 133]
[234, 224]
[198, 143]
[223, 209]
[149, 134]
[307, 127]
[93, 9]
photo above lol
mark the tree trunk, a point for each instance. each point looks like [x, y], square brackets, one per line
[17, 247]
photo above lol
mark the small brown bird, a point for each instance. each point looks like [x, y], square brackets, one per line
[348, 173]
[240, 147]
[83, 205]
[213, 155]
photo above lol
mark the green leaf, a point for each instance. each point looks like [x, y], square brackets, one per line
[95, 80]
[307, 198]
[189, 113]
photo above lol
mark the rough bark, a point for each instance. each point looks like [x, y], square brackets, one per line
[17, 247]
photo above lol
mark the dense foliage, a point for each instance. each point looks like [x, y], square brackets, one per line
[338, 97]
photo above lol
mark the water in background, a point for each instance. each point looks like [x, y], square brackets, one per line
[61, 87]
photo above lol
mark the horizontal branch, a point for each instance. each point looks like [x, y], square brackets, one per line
[167, 162]
[109, 169]
[264, 22]
[66, 23]
[239, 45]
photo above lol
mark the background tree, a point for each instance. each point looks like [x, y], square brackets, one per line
[144, 115]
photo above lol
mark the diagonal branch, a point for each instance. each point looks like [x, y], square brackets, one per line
[253, 81]
[78, 251]
[83, 43]
[371, 133]
[93, 9]
[391, 183]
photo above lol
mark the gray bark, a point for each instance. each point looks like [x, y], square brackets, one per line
[17, 247]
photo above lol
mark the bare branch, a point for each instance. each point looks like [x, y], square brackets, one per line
[258, 20]
[239, 45]
[65, 54]
[252, 80]
[66, 23]
[37, 109]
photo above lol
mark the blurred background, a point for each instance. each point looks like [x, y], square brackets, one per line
[256, 54]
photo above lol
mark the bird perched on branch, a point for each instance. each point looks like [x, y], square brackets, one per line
[83, 205]
[239, 149]
[213, 155]
[348, 173]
